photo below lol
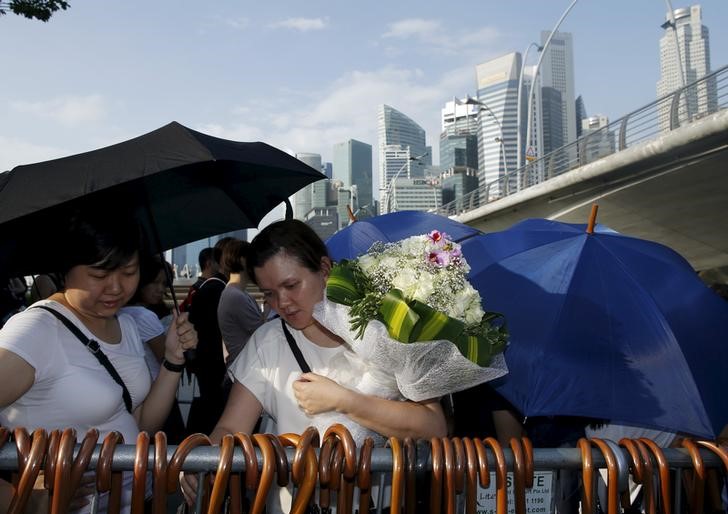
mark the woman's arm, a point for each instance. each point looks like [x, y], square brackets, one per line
[16, 377]
[240, 415]
[391, 418]
[157, 344]
[152, 413]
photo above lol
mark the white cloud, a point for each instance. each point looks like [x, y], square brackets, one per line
[413, 27]
[237, 23]
[347, 109]
[14, 152]
[432, 36]
[71, 110]
[302, 24]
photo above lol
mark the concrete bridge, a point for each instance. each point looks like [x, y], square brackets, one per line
[672, 188]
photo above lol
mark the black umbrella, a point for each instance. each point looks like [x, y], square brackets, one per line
[180, 184]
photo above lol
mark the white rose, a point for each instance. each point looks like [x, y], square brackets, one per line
[406, 281]
[474, 314]
[367, 263]
[423, 289]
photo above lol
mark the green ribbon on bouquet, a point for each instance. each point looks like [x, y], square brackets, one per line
[410, 321]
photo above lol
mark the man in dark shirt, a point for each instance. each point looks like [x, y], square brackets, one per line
[208, 363]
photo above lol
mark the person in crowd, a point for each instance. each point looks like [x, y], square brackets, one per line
[52, 373]
[147, 307]
[238, 314]
[208, 268]
[290, 264]
[45, 285]
[12, 297]
[208, 364]
[494, 416]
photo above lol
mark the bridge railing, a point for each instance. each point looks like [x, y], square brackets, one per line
[701, 98]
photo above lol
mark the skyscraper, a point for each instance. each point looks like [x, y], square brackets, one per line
[557, 73]
[353, 166]
[497, 83]
[459, 139]
[400, 140]
[691, 56]
[303, 199]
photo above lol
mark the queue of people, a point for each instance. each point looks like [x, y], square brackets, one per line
[110, 301]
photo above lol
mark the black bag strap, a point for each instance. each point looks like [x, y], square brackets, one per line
[295, 349]
[93, 347]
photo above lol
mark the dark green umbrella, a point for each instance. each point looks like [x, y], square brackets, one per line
[180, 184]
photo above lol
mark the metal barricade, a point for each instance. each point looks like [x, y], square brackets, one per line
[442, 475]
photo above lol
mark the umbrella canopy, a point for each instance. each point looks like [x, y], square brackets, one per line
[356, 239]
[182, 185]
[604, 325]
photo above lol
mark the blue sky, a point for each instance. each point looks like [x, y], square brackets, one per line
[301, 76]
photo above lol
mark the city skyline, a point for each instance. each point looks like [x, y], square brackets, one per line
[293, 88]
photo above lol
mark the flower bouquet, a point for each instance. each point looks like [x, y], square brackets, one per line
[408, 311]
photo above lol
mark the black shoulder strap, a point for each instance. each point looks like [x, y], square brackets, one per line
[295, 349]
[93, 347]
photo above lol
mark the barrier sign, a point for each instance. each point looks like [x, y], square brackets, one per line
[539, 499]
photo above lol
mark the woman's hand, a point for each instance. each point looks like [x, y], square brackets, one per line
[316, 394]
[181, 336]
[188, 485]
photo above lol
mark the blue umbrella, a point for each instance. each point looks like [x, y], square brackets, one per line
[356, 239]
[605, 325]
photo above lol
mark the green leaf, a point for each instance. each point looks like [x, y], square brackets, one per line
[397, 316]
[434, 324]
[341, 286]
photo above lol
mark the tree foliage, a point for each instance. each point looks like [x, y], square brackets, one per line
[34, 9]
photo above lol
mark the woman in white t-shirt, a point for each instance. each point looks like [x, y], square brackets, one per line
[50, 379]
[290, 264]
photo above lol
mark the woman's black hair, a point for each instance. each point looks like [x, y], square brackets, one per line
[95, 238]
[293, 237]
[233, 253]
[149, 268]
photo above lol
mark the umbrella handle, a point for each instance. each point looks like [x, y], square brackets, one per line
[364, 474]
[638, 472]
[436, 479]
[410, 458]
[460, 463]
[519, 476]
[612, 475]
[471, 487]
[397, 475]
[587, 476]
[450, 487]
[483, 472]
[663, 468]
[720, 452]
[267, 473]
[281, 461]
[33, 458]
[697, 486]
[141, 460]
[501, 484]
[528, 460]
[159, 505]
[304, 468]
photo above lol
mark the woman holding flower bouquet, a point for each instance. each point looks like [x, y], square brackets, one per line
[290, 264]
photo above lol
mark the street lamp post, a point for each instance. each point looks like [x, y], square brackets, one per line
[391, 187]
[538, 66]
[519, 115]
[484, 107]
